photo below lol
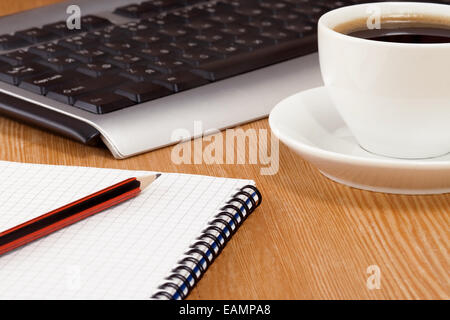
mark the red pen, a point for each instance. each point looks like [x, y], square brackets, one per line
[73, 212]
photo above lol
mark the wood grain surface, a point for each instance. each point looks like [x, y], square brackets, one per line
[310, 239]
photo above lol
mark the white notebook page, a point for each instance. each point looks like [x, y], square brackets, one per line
[124, 252]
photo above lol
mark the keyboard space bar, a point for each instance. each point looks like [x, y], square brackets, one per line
[249, 61]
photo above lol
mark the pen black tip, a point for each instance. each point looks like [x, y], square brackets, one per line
[158, 175]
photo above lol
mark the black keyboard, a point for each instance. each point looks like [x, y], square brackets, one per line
[170, 46]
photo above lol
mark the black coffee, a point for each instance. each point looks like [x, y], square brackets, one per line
[420, 29]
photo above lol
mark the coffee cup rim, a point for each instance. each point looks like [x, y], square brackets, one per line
[324, 23]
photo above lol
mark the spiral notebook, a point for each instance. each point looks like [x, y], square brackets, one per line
[156, 246]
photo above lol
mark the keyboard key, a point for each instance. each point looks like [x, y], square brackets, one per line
[98, 69]
[301, 28]
[227, 49]
[256, 59]
[136, 28]
[139, 73]
[118, 46]
[9, 42]
[36, 35]
[147, 41]
[107, 34]
[278, 35]
[254, 42]
[81, 85]
[124, 60]
[88, 55]
[185, 44]
[175, 17]
[287, 16]
[225, 18]
[102, 102]
[265, 22]
[191, 14]
[48, 50]
[60, 28]
[198, 57]
[42, 83]
[161, 21]
[77, 42]
[200, 25]
[237, 30]
[156, 52]
[137, 10]
[173, 32]
[14, 75]
[164, 5]
[142, 91]
[67, 92]
[273, 6]
[168, 65]
[181, 81]
[18, 57]
[60, 64]
[252, 12]
[211, 36]
[92, 22]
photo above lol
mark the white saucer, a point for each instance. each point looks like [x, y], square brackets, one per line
[308, 123]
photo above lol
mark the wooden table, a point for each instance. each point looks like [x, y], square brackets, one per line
[310, 239]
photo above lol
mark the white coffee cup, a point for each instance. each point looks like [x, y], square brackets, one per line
[394, 97]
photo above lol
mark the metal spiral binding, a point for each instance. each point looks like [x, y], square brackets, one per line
[209, 244]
